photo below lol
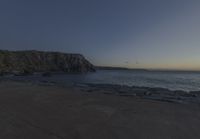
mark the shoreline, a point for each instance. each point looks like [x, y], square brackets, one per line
[156, 93]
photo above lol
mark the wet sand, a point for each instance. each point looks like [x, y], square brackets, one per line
[29, 111]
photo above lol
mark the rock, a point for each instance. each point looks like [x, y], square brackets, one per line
[26, 62]
[148, 93]
[2, 73]
[22, 73]
[181, 93]
[46, 74]
[195, 93]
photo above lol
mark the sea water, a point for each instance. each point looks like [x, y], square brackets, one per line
[187, 81]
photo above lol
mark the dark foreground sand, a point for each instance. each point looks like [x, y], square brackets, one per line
[30, 111]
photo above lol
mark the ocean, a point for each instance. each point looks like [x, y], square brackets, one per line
[186, 81]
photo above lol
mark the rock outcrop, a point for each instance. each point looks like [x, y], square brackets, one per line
[26, 62]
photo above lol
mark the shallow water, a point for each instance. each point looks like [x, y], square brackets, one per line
[188, 81]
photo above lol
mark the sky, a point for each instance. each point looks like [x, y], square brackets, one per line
[150, 34]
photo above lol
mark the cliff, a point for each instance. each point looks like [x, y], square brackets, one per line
[38, 61]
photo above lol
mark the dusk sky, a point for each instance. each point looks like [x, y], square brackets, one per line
[153, 34]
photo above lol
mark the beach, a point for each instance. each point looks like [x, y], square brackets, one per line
[30, 111]
[100, 69]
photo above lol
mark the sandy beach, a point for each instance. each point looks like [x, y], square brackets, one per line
[100, 69]
[30, 111]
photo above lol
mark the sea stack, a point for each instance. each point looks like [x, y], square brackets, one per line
[26, 62]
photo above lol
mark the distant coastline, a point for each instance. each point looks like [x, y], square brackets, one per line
[118, 68]
[145, 70]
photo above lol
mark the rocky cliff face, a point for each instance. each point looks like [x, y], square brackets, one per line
[37, 61]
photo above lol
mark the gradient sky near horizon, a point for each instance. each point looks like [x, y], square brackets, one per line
[155, 34]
